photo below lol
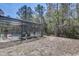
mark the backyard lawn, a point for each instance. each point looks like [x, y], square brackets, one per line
[45, 46]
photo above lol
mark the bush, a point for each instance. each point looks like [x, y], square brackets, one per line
[70, 32]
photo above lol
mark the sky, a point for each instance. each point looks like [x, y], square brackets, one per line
[11, 8]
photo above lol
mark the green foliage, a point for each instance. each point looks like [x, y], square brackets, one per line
[70, 32]
[25, 13]
[40, 9]
[59, 20]
[49, 27]
[62, 22]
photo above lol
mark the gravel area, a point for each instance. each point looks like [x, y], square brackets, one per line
[45, 46]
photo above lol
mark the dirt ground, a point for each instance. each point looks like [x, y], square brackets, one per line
[45, 46]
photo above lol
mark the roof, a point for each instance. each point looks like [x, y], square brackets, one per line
[16, 20]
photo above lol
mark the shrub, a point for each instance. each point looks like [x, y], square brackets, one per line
[70, 32]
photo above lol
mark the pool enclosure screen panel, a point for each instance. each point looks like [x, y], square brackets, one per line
[12, 29]
[17, 27]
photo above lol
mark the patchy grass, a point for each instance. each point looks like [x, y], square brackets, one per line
[46, 46]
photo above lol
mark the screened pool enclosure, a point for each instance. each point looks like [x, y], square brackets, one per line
[16, 27]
